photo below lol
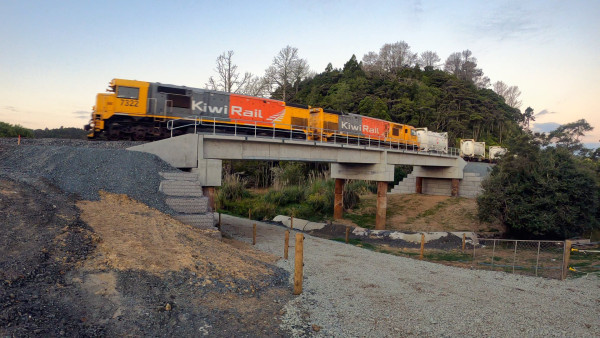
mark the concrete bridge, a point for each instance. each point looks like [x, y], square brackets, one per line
[203, 155]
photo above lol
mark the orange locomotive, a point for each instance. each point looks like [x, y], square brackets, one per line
[143, 110]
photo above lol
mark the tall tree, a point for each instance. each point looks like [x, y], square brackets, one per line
[528, 117]
[429, 59]
[500, 88]
[287, 70]
[540, 193]
[228, 77]
[391, 58]
[256, 86]
[568, 135]
[510, 94]
[464, 66]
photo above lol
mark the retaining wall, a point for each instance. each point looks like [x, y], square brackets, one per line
[469, 186]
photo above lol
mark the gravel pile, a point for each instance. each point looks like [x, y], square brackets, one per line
[84, 167]
[350, 292]
[10, 142]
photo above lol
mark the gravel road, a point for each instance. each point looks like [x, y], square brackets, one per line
[349, 291]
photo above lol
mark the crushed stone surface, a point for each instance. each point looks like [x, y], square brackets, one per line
[84, 168]
[354, 292]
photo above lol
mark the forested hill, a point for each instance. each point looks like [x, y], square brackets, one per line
[426, 97]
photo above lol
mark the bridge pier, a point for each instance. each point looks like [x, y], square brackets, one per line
[209, 192]
[380, 217]
[454, 192]
[338, 204]
[419, 185]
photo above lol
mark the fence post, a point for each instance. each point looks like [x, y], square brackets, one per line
[464, 241]
[347, 234]
[299, 257]
[422, 245]
[515, 256]
[473, 253]
[292, 222]
[254, 234]
[537, 261]
[219, 220]
[493, 253]
[286, 245]
[566, 257]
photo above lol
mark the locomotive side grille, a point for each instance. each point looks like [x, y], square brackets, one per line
[296, 122]
[330, 126]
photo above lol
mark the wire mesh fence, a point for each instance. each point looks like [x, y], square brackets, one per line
[533, 258]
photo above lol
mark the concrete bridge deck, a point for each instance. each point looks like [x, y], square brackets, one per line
[203, 155]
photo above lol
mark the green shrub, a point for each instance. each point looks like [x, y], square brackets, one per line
[289, 173]
[292, 194]
[9, 130]
[233, 188]
[262, 210]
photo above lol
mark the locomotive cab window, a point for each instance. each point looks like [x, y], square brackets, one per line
[124, 92]
[413, 132]
[395, 131]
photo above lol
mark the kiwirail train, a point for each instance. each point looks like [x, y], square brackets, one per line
[137, 110]
[140, 110]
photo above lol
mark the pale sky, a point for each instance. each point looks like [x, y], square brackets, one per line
[56, 55]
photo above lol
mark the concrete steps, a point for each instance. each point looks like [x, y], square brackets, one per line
[184, 196]
[181, 176]
[202, 221]
[469, 186]
[189, 205]
[180, 188]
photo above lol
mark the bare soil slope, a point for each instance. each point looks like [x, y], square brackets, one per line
[416, 212]
[117, 267]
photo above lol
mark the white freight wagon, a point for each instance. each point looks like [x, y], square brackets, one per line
[494, 152]
[432, 141]
[472, 150]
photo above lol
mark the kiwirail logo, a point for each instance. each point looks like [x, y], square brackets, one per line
[236, 111]
[349, 126]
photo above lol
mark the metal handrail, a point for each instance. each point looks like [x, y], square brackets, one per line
[336, 135]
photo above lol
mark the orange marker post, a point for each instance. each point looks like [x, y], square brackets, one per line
[299, 263]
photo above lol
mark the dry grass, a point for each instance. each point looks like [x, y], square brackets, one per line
[134, 236]
[416, 212]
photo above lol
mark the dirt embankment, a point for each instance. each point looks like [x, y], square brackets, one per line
[118, 267]
[416, 213]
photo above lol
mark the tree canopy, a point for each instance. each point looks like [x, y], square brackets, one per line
[541, 192]
[9, 130]
[400, 91]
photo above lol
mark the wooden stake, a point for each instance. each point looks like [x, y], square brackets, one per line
[347, 235]
[254, 234]
[292, 222]
[464, 242]
[566, 257]
[286, 245]
[19, 141]
[422, 245]
[299, 257]
[249, 213]
[219, 220]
